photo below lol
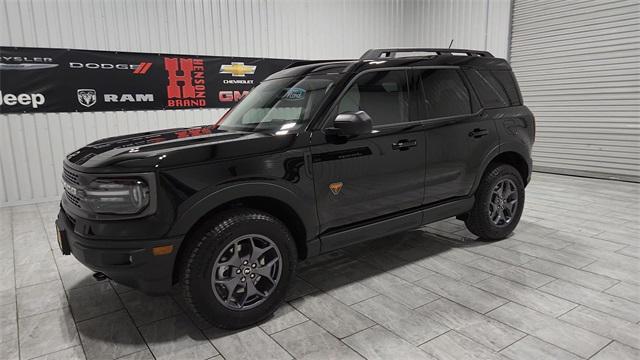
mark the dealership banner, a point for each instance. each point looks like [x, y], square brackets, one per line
[67, 80]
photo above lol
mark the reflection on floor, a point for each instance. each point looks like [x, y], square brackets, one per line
[566, 285]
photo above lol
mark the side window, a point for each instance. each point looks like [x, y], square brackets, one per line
[496, 89]
[384, 95]
[443, 94]
[508, 83]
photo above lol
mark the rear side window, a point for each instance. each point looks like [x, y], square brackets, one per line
[508, 83]
[443, 94]
[384, 95]
[495, 88]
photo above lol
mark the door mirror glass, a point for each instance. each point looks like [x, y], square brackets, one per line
[350, 124]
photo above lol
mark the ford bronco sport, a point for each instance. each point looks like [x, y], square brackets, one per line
[321, 155]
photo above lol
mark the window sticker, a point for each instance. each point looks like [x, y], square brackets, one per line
[294, 94]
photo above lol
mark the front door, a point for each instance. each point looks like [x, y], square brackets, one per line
[376, 174]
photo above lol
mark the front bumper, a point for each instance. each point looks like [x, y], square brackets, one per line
[128, 262]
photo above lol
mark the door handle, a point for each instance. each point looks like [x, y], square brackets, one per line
[404, 144]
[478, 133]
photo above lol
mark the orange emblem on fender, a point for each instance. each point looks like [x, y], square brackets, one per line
[335, 187]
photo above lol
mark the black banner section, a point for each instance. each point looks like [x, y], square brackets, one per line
[66, 80]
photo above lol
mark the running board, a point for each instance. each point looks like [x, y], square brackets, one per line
[395, 224]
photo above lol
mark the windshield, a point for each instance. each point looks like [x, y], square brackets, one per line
[280, 105]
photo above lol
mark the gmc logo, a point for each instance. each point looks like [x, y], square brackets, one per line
[232, 96]
[187, 87]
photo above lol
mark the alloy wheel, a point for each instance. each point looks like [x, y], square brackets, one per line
[246, 272]
[503, 204]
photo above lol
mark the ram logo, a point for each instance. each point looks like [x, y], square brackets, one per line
[128, 98]
[87, 97]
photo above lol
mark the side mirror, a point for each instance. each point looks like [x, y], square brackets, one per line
[350, 124]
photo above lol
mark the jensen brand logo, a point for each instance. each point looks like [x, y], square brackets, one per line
[34, 100]
[187, 85]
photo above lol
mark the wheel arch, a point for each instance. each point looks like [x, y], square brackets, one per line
[271, 198]
[514, 159]
[511, 157]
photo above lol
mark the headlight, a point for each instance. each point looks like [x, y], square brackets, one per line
[116, 196]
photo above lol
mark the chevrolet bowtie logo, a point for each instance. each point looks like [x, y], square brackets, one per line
[238, 69]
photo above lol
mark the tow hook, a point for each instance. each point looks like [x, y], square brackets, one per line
[99, 276]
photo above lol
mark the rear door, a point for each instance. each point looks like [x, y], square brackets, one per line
[377, 174]
[458, 134]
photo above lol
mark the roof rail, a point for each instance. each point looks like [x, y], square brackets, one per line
[296, 63]
[374, 54]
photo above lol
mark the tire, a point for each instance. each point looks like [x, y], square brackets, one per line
[481, 220]
[222, 244]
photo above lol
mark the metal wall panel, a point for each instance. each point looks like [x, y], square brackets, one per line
[577, 65]
[32, 146]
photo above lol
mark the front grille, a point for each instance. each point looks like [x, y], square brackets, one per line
[70, 176]
[73, 199]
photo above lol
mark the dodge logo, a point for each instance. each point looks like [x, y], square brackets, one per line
[87, 97]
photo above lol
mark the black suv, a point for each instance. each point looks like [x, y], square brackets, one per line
[321, 155]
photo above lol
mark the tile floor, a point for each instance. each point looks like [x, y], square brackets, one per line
[566, 285]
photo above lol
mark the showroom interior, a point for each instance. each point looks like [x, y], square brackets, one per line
[564, 285]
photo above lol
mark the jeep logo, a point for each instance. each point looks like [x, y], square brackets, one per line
[34, 100]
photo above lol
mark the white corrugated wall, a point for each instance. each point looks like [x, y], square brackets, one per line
[32, 146]
[578, 66]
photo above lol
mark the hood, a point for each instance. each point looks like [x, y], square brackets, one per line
[169, 147]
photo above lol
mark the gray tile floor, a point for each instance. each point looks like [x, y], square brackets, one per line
[566, 285]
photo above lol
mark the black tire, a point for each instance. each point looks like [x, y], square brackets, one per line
[204, 248]
[478, 220]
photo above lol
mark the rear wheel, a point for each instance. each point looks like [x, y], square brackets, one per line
[237, 268]
[499, 203]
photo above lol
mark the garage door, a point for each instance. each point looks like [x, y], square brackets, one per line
[578, 65]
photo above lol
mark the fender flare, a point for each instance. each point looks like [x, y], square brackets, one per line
[207, 200]
[485, 163]
[524, 151]
[512, 147]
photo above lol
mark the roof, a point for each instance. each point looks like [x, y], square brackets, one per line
[377, 58]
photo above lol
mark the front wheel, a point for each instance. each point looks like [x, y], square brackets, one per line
[499, 203]
[237, 267]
